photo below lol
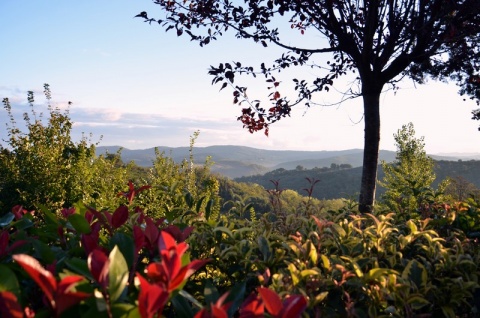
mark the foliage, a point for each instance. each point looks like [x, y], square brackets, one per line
[177, 187]
[167, 249]
[45, 167]
[409, 178]
[170, 249]
[376, 42]
[127, 264]
[335, 182]
[97, 263]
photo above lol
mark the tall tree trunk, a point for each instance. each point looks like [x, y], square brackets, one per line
[371, 106]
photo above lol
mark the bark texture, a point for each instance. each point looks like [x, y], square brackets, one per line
[371, 101]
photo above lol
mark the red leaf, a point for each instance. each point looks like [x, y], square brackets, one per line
[174, 231]
[184, 273]
[18, 211]
[120, 216]
[139, 238]
[294, 306]
[272, 300]
[90, 241]
[166, 241]
[151, 233]
[67, 212]
[3, 242]
[178, 234]
[157, 273]
[218, 312]
[108, 217]
[98, 264]
[41, 276]
[142, 188]
[202, 314]
[65, 299]
[102, 218]
[252, 307]
[194, 266]
[89, 216]
[151, 299]
[9, 306]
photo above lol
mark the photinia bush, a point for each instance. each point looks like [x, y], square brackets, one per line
[120, 264]
[96, 263]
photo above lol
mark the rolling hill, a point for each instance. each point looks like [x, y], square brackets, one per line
[239, 161]
[344, 183]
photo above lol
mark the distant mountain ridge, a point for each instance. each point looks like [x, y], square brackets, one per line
[335, 183]
[239, 161]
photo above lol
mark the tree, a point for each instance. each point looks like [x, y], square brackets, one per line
[380, 42]
[408, 179]
[460, 189]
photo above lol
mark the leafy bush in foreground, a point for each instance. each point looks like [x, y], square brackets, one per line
[120, 264]
[127, 264]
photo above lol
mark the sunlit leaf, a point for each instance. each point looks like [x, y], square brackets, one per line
[79, 223]
[117, 274]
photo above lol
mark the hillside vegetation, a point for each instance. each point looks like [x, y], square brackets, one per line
[239, 161]
[339, 181]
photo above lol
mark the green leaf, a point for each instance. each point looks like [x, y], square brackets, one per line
[8, 280]
[117, 274]
[125, 311]
[320, 297]
[79, 223]
[294, 274]
[356, 268]
[326, 262]
[448, 312]
[210, 292]
[313, 255]
[198, 206]
[413, 228]
[190, 298]
[415, 272]
[189, 199]
[126, 246]
[79, 266]
[22, 224]
[182, 307]
[80, 208]
[417, 302]
[235, 297]
[309, 272]
[43, 251]
[6, 219]
[358, 249]
[208, 208]
[49, 216]
[224, 230]
[264, 247]
[375, 273]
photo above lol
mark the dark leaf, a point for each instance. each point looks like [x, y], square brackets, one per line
[120, 216]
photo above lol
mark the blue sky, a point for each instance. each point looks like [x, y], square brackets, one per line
[140, 87]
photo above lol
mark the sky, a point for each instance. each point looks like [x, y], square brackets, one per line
[134, 85]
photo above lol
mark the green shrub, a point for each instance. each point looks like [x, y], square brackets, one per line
[45, 167]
